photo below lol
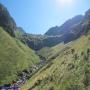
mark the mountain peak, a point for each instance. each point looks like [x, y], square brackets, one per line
[87, 14]
[58, 30]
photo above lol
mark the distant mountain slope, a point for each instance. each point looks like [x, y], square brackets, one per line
[84, 26]
[72, 28]
[87, 14]
[69, 31]
[66, 27]
[14, 57]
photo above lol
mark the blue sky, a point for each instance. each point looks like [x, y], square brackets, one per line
[37, 16]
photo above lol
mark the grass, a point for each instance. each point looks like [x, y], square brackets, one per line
[48, 52]
[69, 71]
[14, 57]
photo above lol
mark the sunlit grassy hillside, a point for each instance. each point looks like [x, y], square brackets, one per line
[14, 57]
[70, 70]
[48, 52]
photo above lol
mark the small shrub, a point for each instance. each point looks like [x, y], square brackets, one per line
[86, 82]
[85, 57]
[70, 66]
[87, 78]
[51, 79]
[82, 53]
[0, 87]
[7, 85]
[88, 52]
[76, 56]
[39, 81]
[72, 51]
[25, 71]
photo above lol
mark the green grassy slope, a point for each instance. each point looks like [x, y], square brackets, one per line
[48, 52]
[68, 71]
[14, 57]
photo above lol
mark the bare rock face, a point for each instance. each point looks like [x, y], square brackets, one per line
[66, 27]
[87, 14]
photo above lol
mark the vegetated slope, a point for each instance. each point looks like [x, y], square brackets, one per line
[70, 70]
[14, 57]
[19, 32]
[50, 52]
[6, 21]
